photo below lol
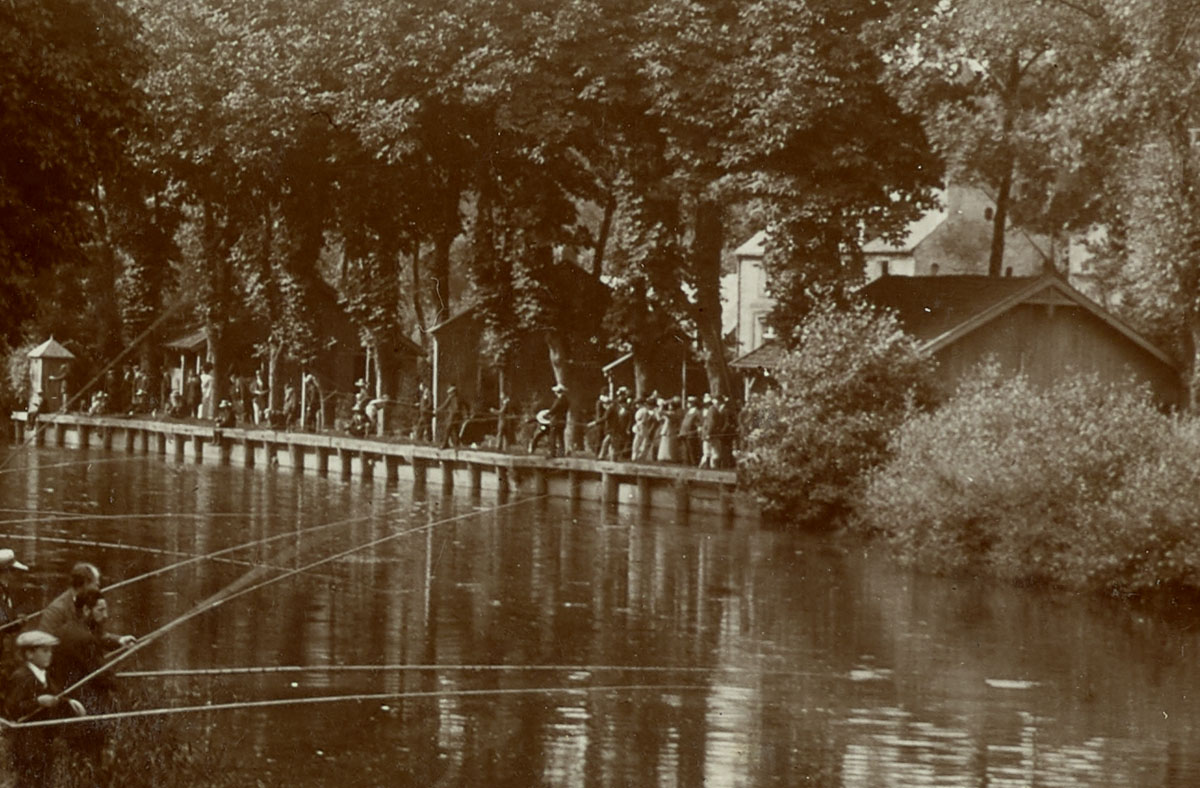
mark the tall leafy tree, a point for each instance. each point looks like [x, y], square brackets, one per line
[67, 99]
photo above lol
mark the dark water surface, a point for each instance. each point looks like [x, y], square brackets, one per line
[635, 652]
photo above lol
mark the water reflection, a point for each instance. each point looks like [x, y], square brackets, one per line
[635, 652]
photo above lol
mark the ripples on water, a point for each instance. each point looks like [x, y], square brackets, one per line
[636, 652]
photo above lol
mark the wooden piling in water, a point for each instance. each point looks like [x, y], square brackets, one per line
[130, 437]
[366, 464]
[643, 493]
[85, 436]
[144, 441]
[502, 483]
[297, 455]
[447, 476]
[106, 434]
[224, 449]
[476, 478]
[609, 490]
[247, 452]
[391, 469]
[419, 474]
[682, 498]
[177, 444]
[162, 442]
[346, 459]
[322, 461]
[197, 448]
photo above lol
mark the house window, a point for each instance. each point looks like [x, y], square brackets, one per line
[883, 267]
[933, 269]
[1008, 271]
[987, 214]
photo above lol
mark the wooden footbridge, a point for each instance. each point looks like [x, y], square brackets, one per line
[648, 486]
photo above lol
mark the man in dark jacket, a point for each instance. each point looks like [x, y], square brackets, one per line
[80, 653]
[556, 423]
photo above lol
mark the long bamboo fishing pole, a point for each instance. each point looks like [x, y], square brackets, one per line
[221, 597]
[260, 670]
[213, 556]
[121, 546]
[357, 697]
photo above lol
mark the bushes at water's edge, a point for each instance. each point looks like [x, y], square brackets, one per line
[852, 379]
[1081, 485]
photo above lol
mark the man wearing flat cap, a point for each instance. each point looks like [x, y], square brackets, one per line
[33, 695]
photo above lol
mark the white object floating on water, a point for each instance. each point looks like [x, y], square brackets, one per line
[385, 707]
[295, 684]
[1012, 684]
[869, 674]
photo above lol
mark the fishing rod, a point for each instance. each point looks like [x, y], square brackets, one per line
[235, 548]
[173, 553]
[357, 697]
[408, 667]
[238, 588]
[55, 516]
[213, 556]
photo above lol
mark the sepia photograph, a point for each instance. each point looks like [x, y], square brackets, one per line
[599, 393]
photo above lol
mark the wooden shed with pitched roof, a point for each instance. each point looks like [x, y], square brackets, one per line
[1039, 326]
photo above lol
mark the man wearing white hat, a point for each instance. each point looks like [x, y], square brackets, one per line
[8, 564]
[32, 695]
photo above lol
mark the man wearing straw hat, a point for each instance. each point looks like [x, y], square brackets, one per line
[32, 695]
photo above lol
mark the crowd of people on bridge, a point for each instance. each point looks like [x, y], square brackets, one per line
[695, 430]
[53, 667]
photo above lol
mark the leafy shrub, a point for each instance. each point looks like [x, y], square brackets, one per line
[1083, 485]
[852, 379]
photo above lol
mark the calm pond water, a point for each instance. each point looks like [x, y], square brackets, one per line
[532, 645]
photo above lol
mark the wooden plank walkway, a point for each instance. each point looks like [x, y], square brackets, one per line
[684, 490]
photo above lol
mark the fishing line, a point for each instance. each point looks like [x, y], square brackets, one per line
[226, 594]
[175, 554]
[94, 461]
[374, 696]
[407, 667]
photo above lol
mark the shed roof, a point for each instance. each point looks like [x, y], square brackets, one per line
[765, 356]
[50, 349]
[191, 342]
[939, 310]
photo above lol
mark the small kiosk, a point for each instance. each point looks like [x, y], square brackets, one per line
[48, 366]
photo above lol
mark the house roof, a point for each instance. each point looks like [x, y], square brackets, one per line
[939, 310]
[916, 232]
[50, 349]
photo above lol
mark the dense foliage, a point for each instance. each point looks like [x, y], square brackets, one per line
[1080, 485]
[853, 378]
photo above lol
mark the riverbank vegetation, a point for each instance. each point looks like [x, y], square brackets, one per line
[850, 381]
[1082, 485]
[1078, 485]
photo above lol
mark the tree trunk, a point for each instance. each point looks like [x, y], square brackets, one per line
[560, 362]
[1008, 163]
[706, 262]
[610, 208]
